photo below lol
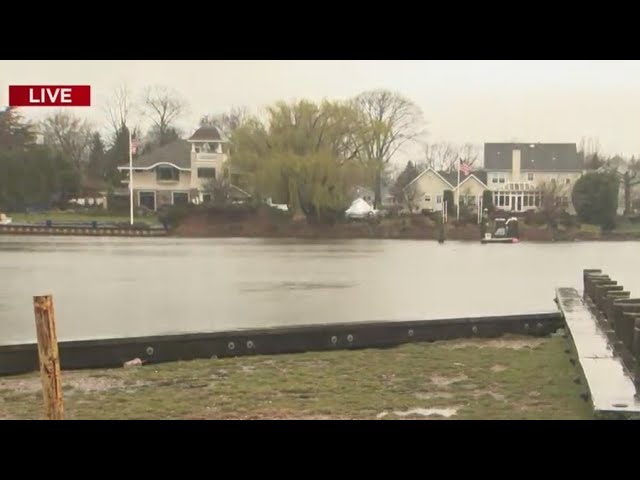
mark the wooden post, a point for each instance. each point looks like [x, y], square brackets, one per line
[49, 358]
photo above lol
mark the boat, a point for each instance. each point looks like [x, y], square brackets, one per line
[4, 220]
[505, 231]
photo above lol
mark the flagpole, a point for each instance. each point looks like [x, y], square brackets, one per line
[130, 179]
[458, 191]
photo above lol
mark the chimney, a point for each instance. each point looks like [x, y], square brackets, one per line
[515, 165]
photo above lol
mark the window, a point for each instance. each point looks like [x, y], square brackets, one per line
[565, 201]
[206, 173]
[567, 181]
[498, 178]
[427, 198]
[471, 200]
[180, 198]
[525, 201]
[530, 177]
[147, 200]
[167, 174]
[197, 149]
[439, 199]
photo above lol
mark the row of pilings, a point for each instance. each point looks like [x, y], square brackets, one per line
[619, 315]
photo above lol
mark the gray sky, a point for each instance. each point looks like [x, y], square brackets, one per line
[463, 101]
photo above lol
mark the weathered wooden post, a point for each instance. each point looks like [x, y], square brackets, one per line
[636, 355]
[592, 281]
[601, 289]
[588, 282]
[585, 273]
[49, 358]
[629, 317]
[608, 303]
[623, 322]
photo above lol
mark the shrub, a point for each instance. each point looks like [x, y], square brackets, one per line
[595, 198]
[487, 201]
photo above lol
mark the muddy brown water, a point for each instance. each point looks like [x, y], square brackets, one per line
[118, 287]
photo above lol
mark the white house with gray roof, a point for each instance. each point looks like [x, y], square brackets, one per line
[517, 172]
[179, 171]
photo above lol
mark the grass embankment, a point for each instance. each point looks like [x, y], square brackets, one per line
[509, 378]
[64, 216]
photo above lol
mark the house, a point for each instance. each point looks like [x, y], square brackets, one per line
[181, 171]
[516, 173]
[368, 195]
[426, 191]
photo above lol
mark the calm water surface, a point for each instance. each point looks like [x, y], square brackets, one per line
[106, 287]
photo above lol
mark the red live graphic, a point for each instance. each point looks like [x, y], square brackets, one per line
[49, 95]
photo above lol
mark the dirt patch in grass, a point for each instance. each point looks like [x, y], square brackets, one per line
[509, 342]
[412, 379]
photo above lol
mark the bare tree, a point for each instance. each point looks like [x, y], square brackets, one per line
[220, 190]
[590, 150]
[117, 109]
[390, 121]
[71, 134]
[163, 106]
[630, 178]
[553, 196]
[469, 154]
[229, 121]
[408, 196]
[441, 155]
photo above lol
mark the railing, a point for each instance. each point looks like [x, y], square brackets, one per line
[210, 156]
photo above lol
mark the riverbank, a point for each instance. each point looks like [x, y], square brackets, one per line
[409, 228]
[507, 378]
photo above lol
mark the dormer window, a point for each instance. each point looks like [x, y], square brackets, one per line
[167, 174]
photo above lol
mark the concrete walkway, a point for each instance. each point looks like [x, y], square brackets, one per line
[610, 384]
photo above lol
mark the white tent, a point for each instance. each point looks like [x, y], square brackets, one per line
[359, 208]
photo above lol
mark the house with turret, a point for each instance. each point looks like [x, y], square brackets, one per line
[182, 171]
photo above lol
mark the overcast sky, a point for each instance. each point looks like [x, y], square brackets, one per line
[462, 101]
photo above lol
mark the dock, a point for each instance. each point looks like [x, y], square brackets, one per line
[608, 362]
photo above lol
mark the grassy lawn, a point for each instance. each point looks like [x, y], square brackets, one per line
[77, 217]
[508, 378]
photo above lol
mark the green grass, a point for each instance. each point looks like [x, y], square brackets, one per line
[509, 378]
[77, 217]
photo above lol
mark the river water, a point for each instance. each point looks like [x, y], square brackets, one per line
[117, 287]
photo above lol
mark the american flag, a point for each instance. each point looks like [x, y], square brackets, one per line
[465, 168]
[134, 146]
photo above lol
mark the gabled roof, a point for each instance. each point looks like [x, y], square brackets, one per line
[177, 154]
[474, 176]
[429, 169]
[451, 177]
[552, 157]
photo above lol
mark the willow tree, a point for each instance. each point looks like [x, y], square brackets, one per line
[303, 154]
[390, 121]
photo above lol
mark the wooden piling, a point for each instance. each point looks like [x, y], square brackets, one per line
[602, 289]
[586, 273]
[609, 298]
[49, 357]
[593, 281]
